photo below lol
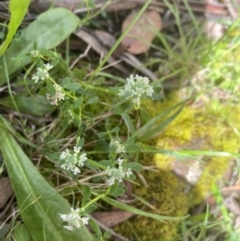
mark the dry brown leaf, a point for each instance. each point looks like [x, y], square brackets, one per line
[5, 190]
[111, 219]
[141, 35]
[91, 38]
[105, 38]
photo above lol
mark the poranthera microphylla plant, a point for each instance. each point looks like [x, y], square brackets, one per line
[68, 95]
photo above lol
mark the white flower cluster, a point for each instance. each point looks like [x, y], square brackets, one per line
[60, 95]
[42, 73]
[117, 174]
[73, 160]
[36, 54]
[117, 146]
[136, 88]
[74, 220]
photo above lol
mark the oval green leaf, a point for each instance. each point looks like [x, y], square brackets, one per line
[39, 203]
[48, 30]
[36, 105]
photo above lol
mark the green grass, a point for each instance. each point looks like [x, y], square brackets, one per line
[92, 115]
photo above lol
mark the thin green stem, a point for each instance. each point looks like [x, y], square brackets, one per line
[10, 90]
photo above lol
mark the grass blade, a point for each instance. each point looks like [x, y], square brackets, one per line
[18, 9]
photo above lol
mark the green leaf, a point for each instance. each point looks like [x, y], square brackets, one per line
[128, 122]
[134, 166]
[81, 143]
[90, 208]
[130, 141]
[107, 234]
[86, 195]
[33, 105]
[92, 100]
[128, 208]
[100, 81]
[156, 97]
[150, 129]
[76, 120]
[156, 129]
[118, 192]
[72, 86]
[157, 94]
[39, 203]
[122, 108]
[106, 163]
[113, 188]
[144, 148]
[65, 81]
[48, 31]
[93, 165]
[21, 233]
[144, 115]
[77, 103]
[95, 227]
[133, 148]
[18, 10]
[159, 127]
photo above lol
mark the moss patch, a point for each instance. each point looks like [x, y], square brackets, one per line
[202, 129]
[194, 129]
[166, 193]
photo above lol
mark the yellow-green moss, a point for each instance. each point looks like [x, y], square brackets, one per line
[202, 129]
[165, 193]
[194, 129]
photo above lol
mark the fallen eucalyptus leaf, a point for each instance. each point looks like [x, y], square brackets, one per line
[140, 36]
[112, 218]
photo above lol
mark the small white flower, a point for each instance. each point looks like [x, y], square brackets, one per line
[117, 174]
[60, 95]
[75, 170]
[117, 146]
[130, 80]
[73, 160]
[74, 220]
[35, 54]
[111, 181]
[120, 161]
[136, 88]
[149, 91]
[64, 154]
[139, 91]
[76, 149]
[48, 66]
[35, 78]
[82, 159]
[128, 173]
[42, 73]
